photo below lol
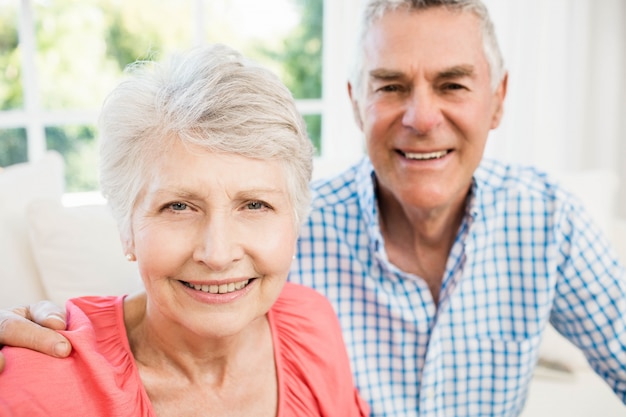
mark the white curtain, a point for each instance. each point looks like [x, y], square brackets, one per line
[566, 104]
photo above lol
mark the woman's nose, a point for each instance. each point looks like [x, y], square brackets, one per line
[219, 244]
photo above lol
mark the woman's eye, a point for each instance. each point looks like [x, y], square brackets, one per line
[255, 205]
[178, 206]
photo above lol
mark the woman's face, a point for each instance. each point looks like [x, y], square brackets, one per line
[214, 236]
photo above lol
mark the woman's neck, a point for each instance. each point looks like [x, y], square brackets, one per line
[212, 374]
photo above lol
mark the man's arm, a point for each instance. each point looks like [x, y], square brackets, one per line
[22, 326]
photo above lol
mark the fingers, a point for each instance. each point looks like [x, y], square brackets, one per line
[47, 314]
[17, 329]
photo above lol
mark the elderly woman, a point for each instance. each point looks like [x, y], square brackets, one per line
[205, 164]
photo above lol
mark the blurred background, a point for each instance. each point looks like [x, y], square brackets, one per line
[565, 110]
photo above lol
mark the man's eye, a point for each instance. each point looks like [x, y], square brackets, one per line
[392, 88]
[178, 206]
[453, 86]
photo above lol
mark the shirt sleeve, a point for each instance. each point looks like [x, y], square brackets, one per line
[590, 299]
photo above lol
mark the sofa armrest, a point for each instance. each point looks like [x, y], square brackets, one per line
[581, 394]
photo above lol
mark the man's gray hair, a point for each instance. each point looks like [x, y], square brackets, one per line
[375, 9]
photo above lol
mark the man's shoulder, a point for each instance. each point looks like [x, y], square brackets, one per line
[339, 189]
[493, 175]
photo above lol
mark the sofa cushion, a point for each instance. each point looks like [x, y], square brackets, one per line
[19, 185]
[597, 189]
[78, 251]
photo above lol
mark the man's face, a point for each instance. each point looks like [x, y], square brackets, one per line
[426, 106]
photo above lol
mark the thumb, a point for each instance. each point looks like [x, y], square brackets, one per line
[17, 329]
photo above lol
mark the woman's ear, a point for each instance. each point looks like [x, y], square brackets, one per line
[128, 247]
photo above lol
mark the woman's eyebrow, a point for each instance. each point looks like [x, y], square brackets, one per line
[255, 192]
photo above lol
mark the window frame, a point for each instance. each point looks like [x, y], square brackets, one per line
[339, 136]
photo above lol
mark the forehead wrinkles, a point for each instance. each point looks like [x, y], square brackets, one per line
[447, 46]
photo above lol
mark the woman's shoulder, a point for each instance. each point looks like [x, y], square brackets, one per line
[300, 305]
[311, 356]
[94, 319]
[307, 335]
[308, 295]
[54, 386]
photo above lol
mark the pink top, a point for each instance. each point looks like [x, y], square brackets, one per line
[100, 377]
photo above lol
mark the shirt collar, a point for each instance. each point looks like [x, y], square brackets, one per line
[488, 177]
[365, 180]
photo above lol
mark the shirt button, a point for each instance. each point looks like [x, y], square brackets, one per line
[430, 393]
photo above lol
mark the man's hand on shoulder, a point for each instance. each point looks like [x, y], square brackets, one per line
[33, 327]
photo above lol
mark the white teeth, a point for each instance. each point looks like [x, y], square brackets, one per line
[424, 156]
[219, 289]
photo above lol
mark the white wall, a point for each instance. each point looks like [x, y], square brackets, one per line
[567, 94]
[343, 142]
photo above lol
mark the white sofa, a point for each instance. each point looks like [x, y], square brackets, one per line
[49, 250]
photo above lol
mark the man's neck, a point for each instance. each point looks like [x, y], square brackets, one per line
[419, 241]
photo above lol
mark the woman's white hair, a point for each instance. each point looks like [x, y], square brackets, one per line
[210, 97]
[375, 9]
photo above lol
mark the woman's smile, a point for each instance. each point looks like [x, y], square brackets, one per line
[218, 288]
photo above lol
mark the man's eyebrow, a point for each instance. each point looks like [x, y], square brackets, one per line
[458, 71]
[454, 72]
[385, 74]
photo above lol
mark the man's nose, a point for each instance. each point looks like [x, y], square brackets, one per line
[422, 112]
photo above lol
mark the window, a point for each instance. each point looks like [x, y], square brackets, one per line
[58, 60]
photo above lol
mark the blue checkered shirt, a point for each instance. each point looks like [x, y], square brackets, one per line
[526, 253]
